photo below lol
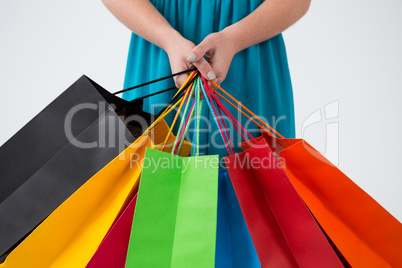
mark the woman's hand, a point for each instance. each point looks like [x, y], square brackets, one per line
[269, 19]
[178, 52]
[219, 49]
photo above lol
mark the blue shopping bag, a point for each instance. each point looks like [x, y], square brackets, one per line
[234, 247]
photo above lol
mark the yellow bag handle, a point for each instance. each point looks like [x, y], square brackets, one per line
[181, 100]
[162, 116]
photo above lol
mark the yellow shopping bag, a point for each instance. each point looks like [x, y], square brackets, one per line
[72, 233]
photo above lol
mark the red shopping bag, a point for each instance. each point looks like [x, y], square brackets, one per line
[283, 231]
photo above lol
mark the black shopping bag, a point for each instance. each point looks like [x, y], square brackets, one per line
[59, 150]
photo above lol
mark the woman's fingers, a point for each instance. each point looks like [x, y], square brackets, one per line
[179, 80]
[199, 51]
[217, 81]
[197, 59]
[205, 69]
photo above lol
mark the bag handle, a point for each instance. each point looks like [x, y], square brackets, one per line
[184, 120]
[139, 102]
[268, 128]
[211, 107]
[228, 114]
[189, 84]
[180, 93]
[195, 111]
[154, 81]
[221, 108]
[195, 150]
[180, 138]
[171, 105]
[196, 106]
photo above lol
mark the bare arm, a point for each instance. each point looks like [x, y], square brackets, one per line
[142, 18]
[269, 19]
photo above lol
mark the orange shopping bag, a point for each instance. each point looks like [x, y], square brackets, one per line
[365, 233]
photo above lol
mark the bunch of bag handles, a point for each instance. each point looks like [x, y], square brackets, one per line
[193, 86]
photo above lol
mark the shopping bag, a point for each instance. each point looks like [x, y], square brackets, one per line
[72, 233]
[234, 247]
[283, 231]
[40, 158]
[175, 218]
[112, 251]
[363, 231]
[66, 229]
[59, 150]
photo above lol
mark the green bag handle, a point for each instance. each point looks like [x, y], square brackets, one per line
[185, 121]
[198, 108]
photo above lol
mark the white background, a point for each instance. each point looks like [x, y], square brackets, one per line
[345, 51]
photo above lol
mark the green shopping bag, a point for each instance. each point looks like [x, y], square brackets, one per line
[175, 217]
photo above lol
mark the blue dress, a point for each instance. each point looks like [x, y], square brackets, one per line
[258, 76]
